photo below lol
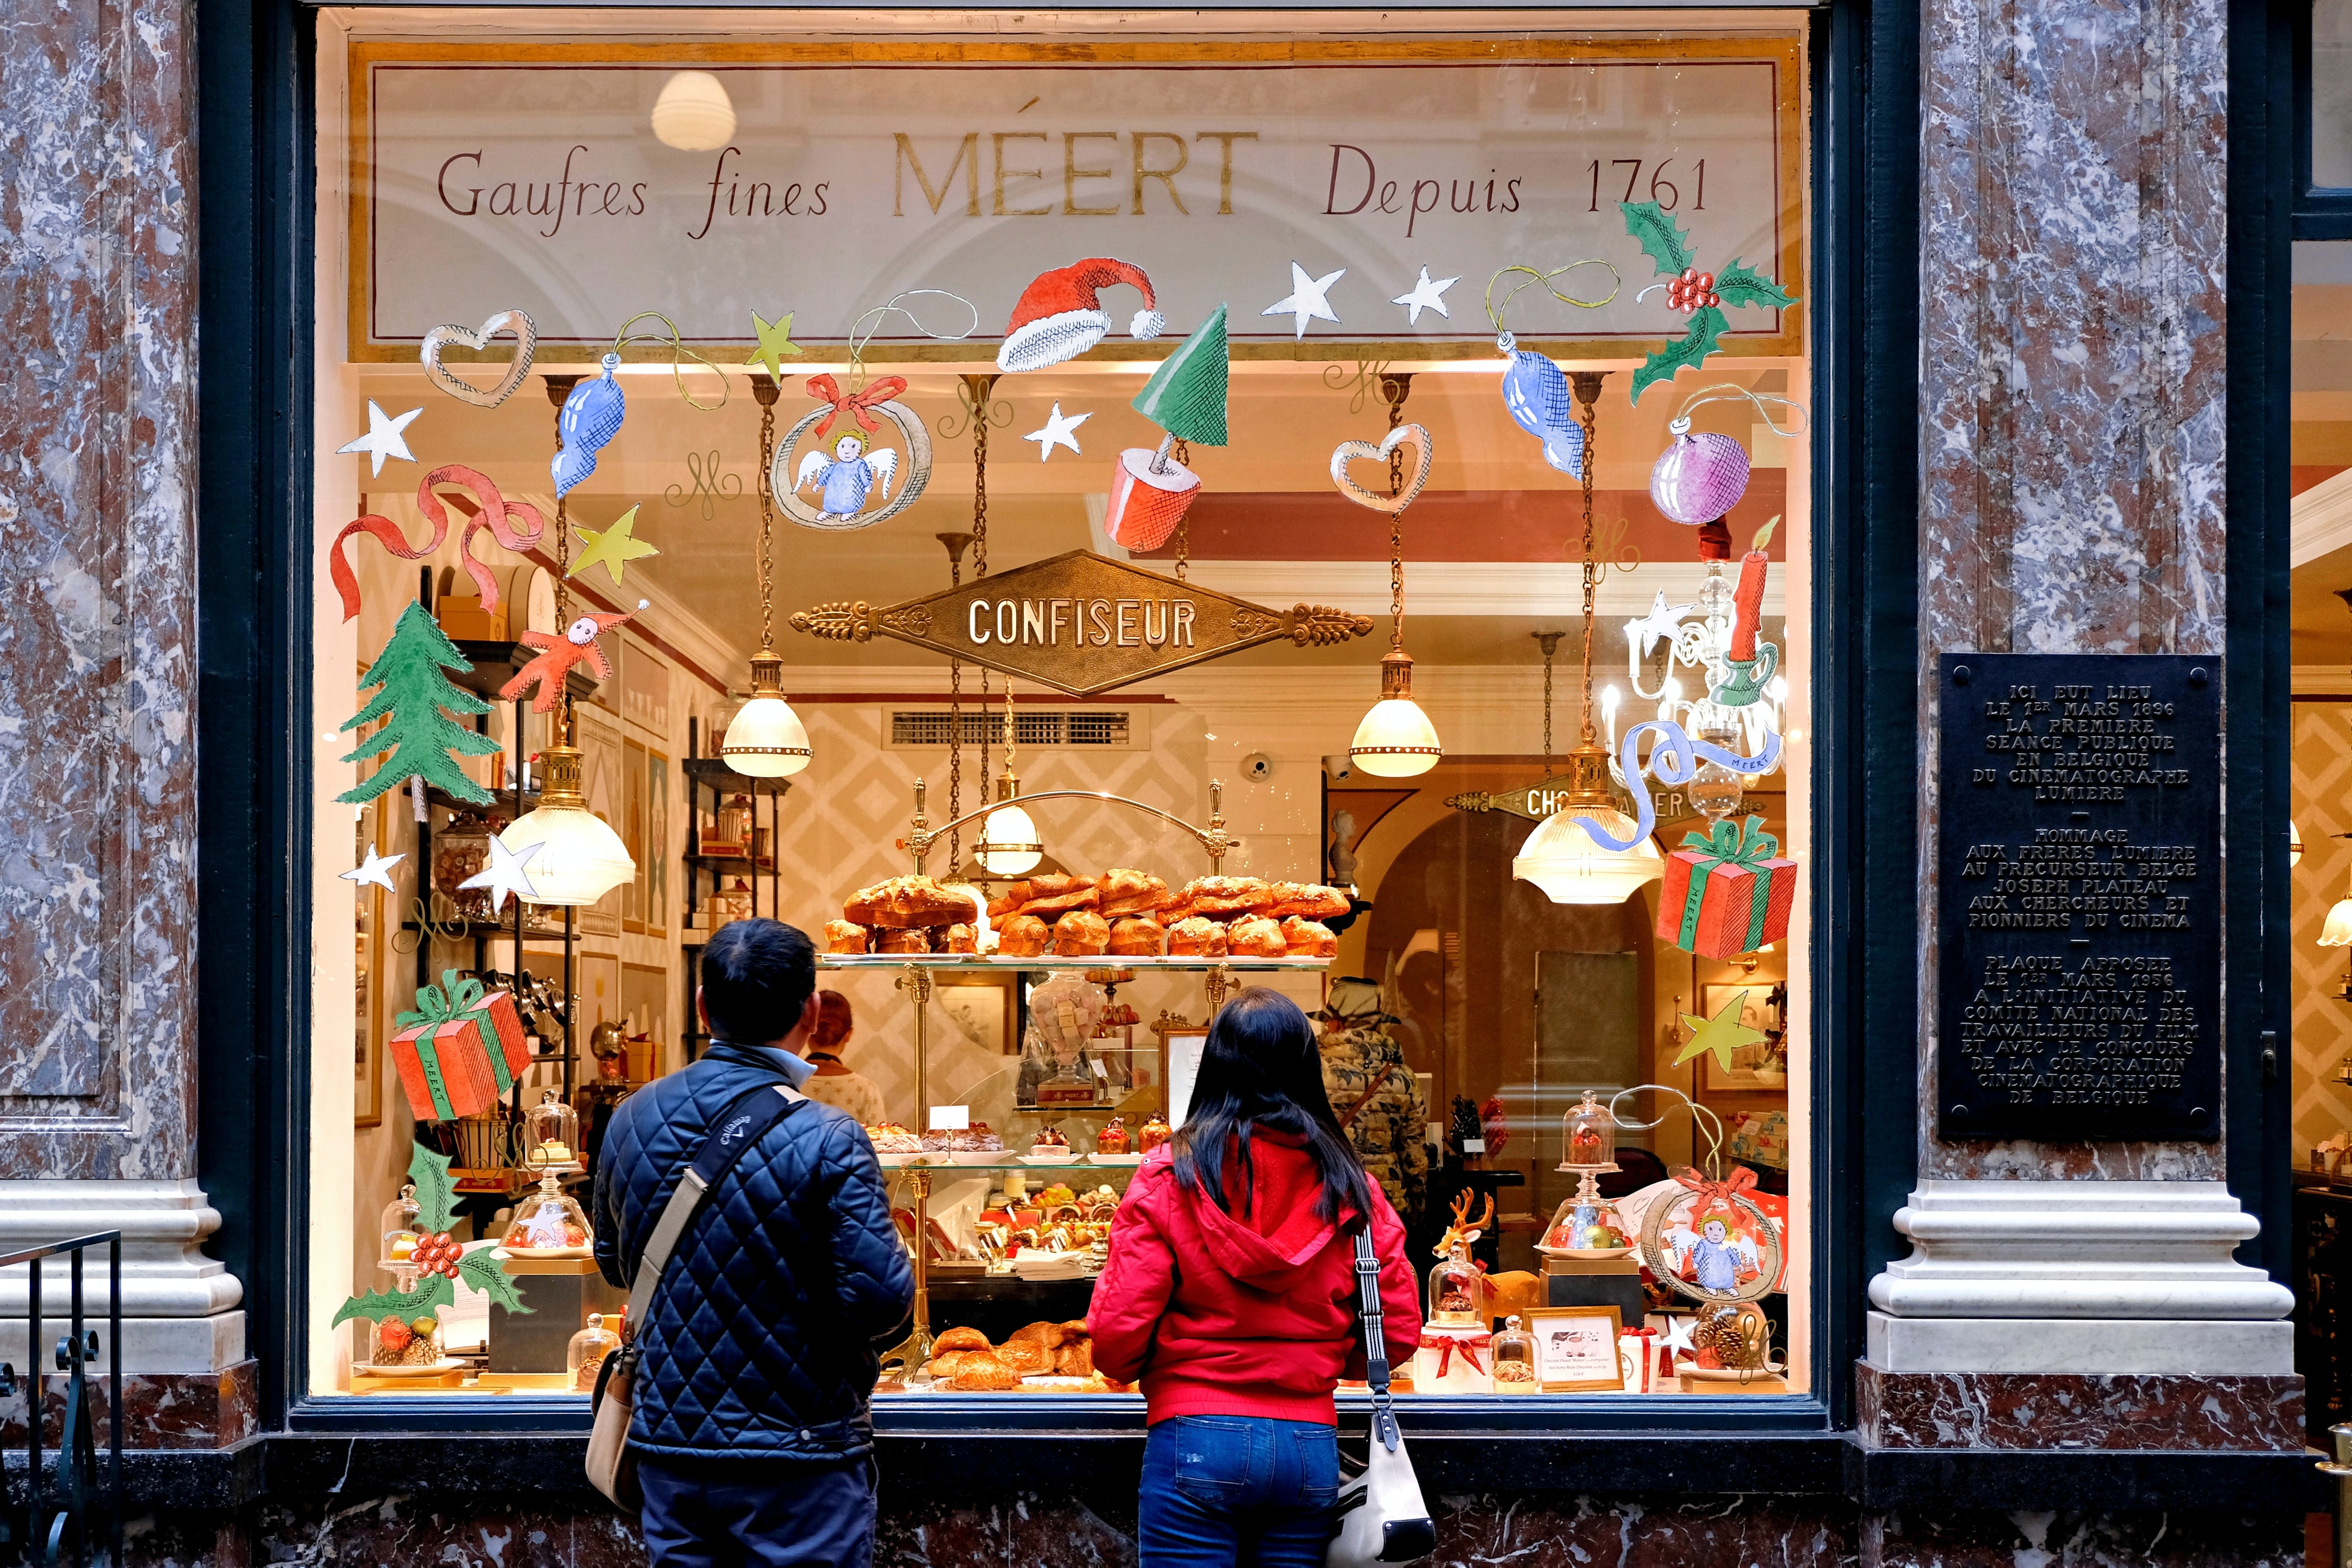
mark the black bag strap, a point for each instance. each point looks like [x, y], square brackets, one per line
[1376, 1345]
[744, 1124]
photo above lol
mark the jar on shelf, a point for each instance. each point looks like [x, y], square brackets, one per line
[1591, 1142]
[1514, 1360]
[551, 1142]
[393, 1341]
[1456, 1289]
[732, 828]
[583, 1358]
[400, 1230]
[1587, 1228]
[548, 1222]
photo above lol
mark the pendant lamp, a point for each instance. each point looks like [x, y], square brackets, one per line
[767, 738]
[579, 858]
[2338, 931]
[1396, 738]
[1009, 844]
[1561, 858]
[694, 113]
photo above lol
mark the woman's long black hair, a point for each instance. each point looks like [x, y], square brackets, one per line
[1260, 1070]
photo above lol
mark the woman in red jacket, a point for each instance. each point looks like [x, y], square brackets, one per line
[1230, 1296]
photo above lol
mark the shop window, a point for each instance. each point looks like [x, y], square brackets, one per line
[1167, 638]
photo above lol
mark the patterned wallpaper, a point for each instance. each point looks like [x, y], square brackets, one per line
[2323, 1025]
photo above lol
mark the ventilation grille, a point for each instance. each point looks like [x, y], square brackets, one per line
[1099, 729]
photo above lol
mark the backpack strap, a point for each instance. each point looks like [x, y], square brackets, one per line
[739, 1126]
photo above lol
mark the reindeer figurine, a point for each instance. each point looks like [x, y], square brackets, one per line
[1456, 1286]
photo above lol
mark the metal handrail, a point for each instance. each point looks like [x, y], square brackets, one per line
[44, 1532]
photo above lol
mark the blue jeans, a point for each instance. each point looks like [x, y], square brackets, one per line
[1238, 1491]
[725, 1512]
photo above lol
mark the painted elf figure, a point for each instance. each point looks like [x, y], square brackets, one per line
[552, 666]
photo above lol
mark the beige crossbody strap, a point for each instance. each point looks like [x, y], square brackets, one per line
[735, 1132]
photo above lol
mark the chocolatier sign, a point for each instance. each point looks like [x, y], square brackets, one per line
[2079, 894]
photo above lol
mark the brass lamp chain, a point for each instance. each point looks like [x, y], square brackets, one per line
[1547, 710]
[562, 544]
[1585, 727]
[1395, 389]
[1183, 524]
[977, 388]
[767, 527]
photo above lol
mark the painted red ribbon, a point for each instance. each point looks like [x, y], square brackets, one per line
[826, 390]
[515, 525]
[1740, 1180]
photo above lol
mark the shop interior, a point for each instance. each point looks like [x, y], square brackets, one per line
[1515, 1013]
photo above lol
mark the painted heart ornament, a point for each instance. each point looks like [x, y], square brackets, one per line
[1699, 478]
[441, 338]
[590, 418]
[1347, 452]
[1535, 394]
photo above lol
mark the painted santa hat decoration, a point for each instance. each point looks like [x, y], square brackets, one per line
[1059, 316]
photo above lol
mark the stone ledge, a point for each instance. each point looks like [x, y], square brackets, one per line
[1966, 1410]
[191, 1411]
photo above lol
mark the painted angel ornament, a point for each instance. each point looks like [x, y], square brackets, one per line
[844, 480]
[856, 471]
[551, 667]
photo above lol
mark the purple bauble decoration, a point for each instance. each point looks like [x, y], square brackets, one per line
[1699, 478]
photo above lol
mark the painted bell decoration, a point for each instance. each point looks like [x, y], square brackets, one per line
[1699, 478]
[1536, 393]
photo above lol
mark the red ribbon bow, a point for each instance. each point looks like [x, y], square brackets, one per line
[826, 390]
[1448, 1345]
[1712, 1191]
[493, 514]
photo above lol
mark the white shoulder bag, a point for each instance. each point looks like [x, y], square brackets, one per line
[1381, 1516]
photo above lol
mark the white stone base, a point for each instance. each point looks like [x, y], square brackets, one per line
[2196, 1348]
[2091, 1250]
[151, 1346]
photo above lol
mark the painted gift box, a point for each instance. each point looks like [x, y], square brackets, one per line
[1725, 894]
[461, 1050]
[1643, 1360]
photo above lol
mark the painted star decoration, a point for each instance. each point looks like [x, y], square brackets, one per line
[1425, 294]
[383, 438]
[615, 546]
[376, 868]
[1306, 302]
[1678, 1334]
[776, 343]
[1722, 1034]
[1059, 432]
[1661, 625]
[505, 873]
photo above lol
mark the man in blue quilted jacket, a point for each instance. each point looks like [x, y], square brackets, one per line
[752, 1432]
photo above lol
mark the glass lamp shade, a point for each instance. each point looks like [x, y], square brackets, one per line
[1008, 842]
[694, 113]
[2338, 931]
[580, 858]
[767, 738]
[1396, 738]
[1571, 866]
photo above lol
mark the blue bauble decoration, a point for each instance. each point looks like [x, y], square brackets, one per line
[590, 418]
[1536, 394]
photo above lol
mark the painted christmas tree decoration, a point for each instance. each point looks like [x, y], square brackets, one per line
[615, 547]
[1308, 300]
[1701, 296]
[1060, 316]
[552, 666]
[383, 438]
[413, 692]
[590, 418]
[1150, 491]
[856, 470]
[438, 1264]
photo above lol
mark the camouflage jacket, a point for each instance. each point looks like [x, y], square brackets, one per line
[1389, 1131]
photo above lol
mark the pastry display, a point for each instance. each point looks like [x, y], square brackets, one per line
[905, 901]
[1304, 938]
[1112, 1139]
[961, 939]
[1058, 894]
[1135, 937]
[1155, 1132]
[1128, 892]
[984, 1372]
[1081, 933]
[903, 939]
[1256, 937]
[1009, 901]
[1022, 936]
[1026, 1356]
[845, 936]
[1307, 900]
[1224, 898]
[1199, 937]
[1050, 1145]
[960, 1339]
[889, 1137]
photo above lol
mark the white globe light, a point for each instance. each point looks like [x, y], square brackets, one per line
[766, 740]
[1008, 842]
[694, 113]
[580, 858]
[1571, 866]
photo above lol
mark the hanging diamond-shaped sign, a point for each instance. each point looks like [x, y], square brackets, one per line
[1081, 623]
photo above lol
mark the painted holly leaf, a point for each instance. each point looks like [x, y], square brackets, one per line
[482, 1272]
[437, 1194]
[1740, 284]
[378, 1305]
[1661, 239]
[1706, 324]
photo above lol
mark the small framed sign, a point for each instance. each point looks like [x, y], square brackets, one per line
[1576, 1349]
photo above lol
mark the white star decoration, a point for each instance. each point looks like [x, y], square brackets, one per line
[1059, 432]
[376, 869]
[1678, 1336]
[383, 438]
[1306, 302]
[1425, 292]
[1661, 623]
[505, 874]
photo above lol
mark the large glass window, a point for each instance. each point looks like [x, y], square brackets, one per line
[1088, 347]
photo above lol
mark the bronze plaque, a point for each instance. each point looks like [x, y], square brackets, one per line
[1081, 623]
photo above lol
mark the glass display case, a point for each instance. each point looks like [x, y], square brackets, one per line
[400, 1230]
[584, 1359]
[551, 1144]
[1514, 1360]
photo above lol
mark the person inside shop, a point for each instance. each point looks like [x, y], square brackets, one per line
[834, 1084]
[1238, 1346]
[752, 1432]
[1375, 1094]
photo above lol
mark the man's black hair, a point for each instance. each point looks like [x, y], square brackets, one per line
[757, 975]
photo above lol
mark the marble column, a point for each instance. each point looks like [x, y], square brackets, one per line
[2072, 399]
[97, 836]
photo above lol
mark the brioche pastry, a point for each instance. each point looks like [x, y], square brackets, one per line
[1256, 937]
[907, 901]
[1309, 938]
[1199, 937]
[1081, 933]
[845, 936]
[1022, 936]
[1137, 938]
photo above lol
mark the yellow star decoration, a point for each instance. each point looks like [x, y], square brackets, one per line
[776, 343]
[615, 547]
[1722, 1034]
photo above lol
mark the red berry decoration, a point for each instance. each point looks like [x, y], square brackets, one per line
[1705, 281]
[1690, 274]
[438, 1253]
